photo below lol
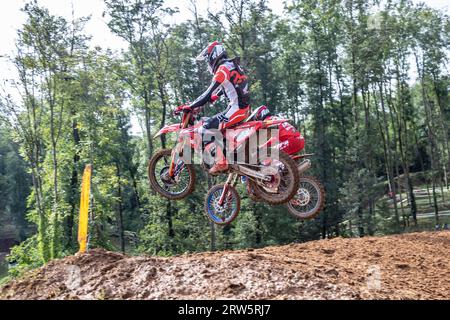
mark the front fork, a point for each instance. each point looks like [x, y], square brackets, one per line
[231, 181]
[172, 164]
[176, 155]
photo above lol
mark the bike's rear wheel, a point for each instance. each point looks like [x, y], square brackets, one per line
[174, 188]
[222, 214]
[251, 192]
[288, 182]
[309, 200]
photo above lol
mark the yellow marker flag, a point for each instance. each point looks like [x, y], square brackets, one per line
[84, 208]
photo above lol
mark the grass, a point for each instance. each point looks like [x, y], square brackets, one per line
[426, 220]
[3, 267]
[4, 277]
[4, 280]
[423, 201]
[425, 212]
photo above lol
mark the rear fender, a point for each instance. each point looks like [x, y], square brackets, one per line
[271, 123]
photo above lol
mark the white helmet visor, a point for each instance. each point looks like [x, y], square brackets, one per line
[202, 56]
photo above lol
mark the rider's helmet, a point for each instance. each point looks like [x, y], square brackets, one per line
[260, 113]
[214, 53]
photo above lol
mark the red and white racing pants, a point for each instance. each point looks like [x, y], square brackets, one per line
[228, 118]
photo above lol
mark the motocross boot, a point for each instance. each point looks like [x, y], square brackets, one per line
[220, 163]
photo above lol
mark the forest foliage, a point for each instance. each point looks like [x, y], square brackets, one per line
[366, 83]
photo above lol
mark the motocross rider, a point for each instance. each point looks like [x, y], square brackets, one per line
[228, 79]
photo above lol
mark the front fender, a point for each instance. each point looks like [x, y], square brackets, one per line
[170, 128]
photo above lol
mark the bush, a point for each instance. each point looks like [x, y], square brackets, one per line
[24, 257]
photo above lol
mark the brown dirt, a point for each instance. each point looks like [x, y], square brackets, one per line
[409, 266]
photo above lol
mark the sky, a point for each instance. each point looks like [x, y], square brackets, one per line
[11, 19]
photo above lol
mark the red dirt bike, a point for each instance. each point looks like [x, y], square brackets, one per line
[170, 175]
[306, 204]
[310, 197]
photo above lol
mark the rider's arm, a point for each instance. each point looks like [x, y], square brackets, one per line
[220, 92]
[206, 96]
[221, 75]
[216, 96]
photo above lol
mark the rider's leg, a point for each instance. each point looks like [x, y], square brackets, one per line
[212, 124]
[226, 119]
[233, 115]
[220, 162]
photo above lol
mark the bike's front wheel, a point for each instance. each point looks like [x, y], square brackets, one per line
[177, 187]
[309, 200]
[222, 213]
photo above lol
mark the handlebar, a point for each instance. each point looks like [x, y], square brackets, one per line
[185, 108]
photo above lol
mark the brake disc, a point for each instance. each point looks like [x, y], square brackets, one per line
[220, 209]
[303, 197]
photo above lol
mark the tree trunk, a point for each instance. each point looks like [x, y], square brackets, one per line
[361, 232]
[170, 229]
[120, 209]
[164, 111]
[148, 125]
[258, 218]
[387, 159]
[435, 202]
[73, 183]
[55, 237]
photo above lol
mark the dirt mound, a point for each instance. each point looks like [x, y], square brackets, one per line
[410, 266]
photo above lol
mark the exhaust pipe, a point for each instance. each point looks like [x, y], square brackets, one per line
[252, 173]
[303, 166]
